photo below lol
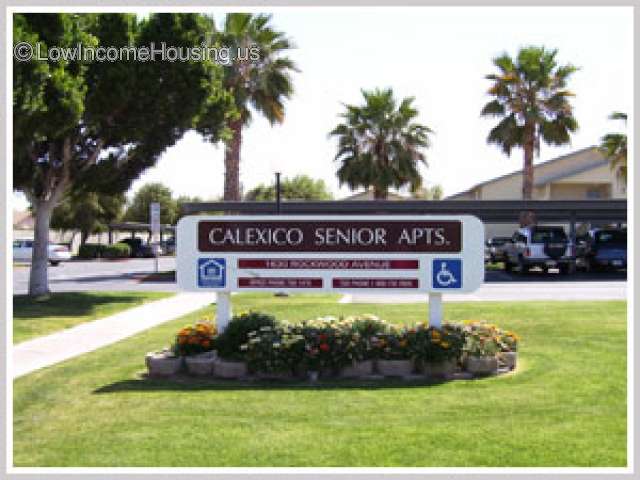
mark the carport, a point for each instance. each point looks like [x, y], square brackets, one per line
[135, 227]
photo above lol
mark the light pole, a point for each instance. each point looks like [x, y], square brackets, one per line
[278, 193]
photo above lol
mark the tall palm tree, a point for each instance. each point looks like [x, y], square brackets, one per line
[263, 84]
[380, 145]
[614, 147]
[531, 98]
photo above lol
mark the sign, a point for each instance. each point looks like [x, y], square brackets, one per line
[212, 273]
[447, 273]
[380, 236]
[154, 220]
[337, 253]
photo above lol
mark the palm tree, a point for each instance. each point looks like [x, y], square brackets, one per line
[380, 145]
[614, 147]
[263, 84]
[532, 100]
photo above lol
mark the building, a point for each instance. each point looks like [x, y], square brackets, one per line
[23, 223]
[582, 175]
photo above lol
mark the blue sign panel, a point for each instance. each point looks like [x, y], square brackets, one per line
[447, 273]
[212, 272]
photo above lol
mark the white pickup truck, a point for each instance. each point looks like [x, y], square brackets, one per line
[540, 246]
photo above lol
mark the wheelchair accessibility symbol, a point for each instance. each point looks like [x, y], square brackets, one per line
[447, 273]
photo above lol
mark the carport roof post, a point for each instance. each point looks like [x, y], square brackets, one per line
[489, 211]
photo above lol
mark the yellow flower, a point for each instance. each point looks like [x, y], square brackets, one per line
[445, 344]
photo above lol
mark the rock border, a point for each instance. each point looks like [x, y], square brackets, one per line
[208, 366]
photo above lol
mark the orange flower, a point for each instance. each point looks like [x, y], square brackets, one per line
[206, 343]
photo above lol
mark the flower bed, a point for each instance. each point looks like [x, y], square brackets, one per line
[256, 345]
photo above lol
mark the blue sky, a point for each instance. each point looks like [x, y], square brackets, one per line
[440, 56]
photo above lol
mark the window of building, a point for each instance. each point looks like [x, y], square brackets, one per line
[594, 193]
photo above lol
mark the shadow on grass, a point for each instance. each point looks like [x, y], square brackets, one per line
[67, 304]
[186, 383]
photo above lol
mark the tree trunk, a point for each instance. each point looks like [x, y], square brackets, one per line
[84, 236]
[528, 217]
[527, 172]
[380, 193]
[232, 163]
[38, 277]
[73, 238]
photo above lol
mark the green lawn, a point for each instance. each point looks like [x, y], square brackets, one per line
[33, 318]
[566, 405]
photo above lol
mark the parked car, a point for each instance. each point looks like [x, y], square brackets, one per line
[23, 252]
[606, 249]
[169, 246]
[539, 246]
[494, 249]
[140, 249]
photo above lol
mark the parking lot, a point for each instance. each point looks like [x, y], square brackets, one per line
[137, 274]
[81, 275]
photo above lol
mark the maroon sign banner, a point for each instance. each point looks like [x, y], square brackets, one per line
[321, 264]
[388, 236]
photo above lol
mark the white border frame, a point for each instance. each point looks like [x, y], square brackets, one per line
[274, 5]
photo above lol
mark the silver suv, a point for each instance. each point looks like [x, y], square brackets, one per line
[536, 246]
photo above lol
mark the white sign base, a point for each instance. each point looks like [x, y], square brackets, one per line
[223, 310]
[435, 310]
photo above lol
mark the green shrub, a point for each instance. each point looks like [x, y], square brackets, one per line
[275, 350]
[431, 344]
[117, 250]
[237, 332]
[91, 250]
